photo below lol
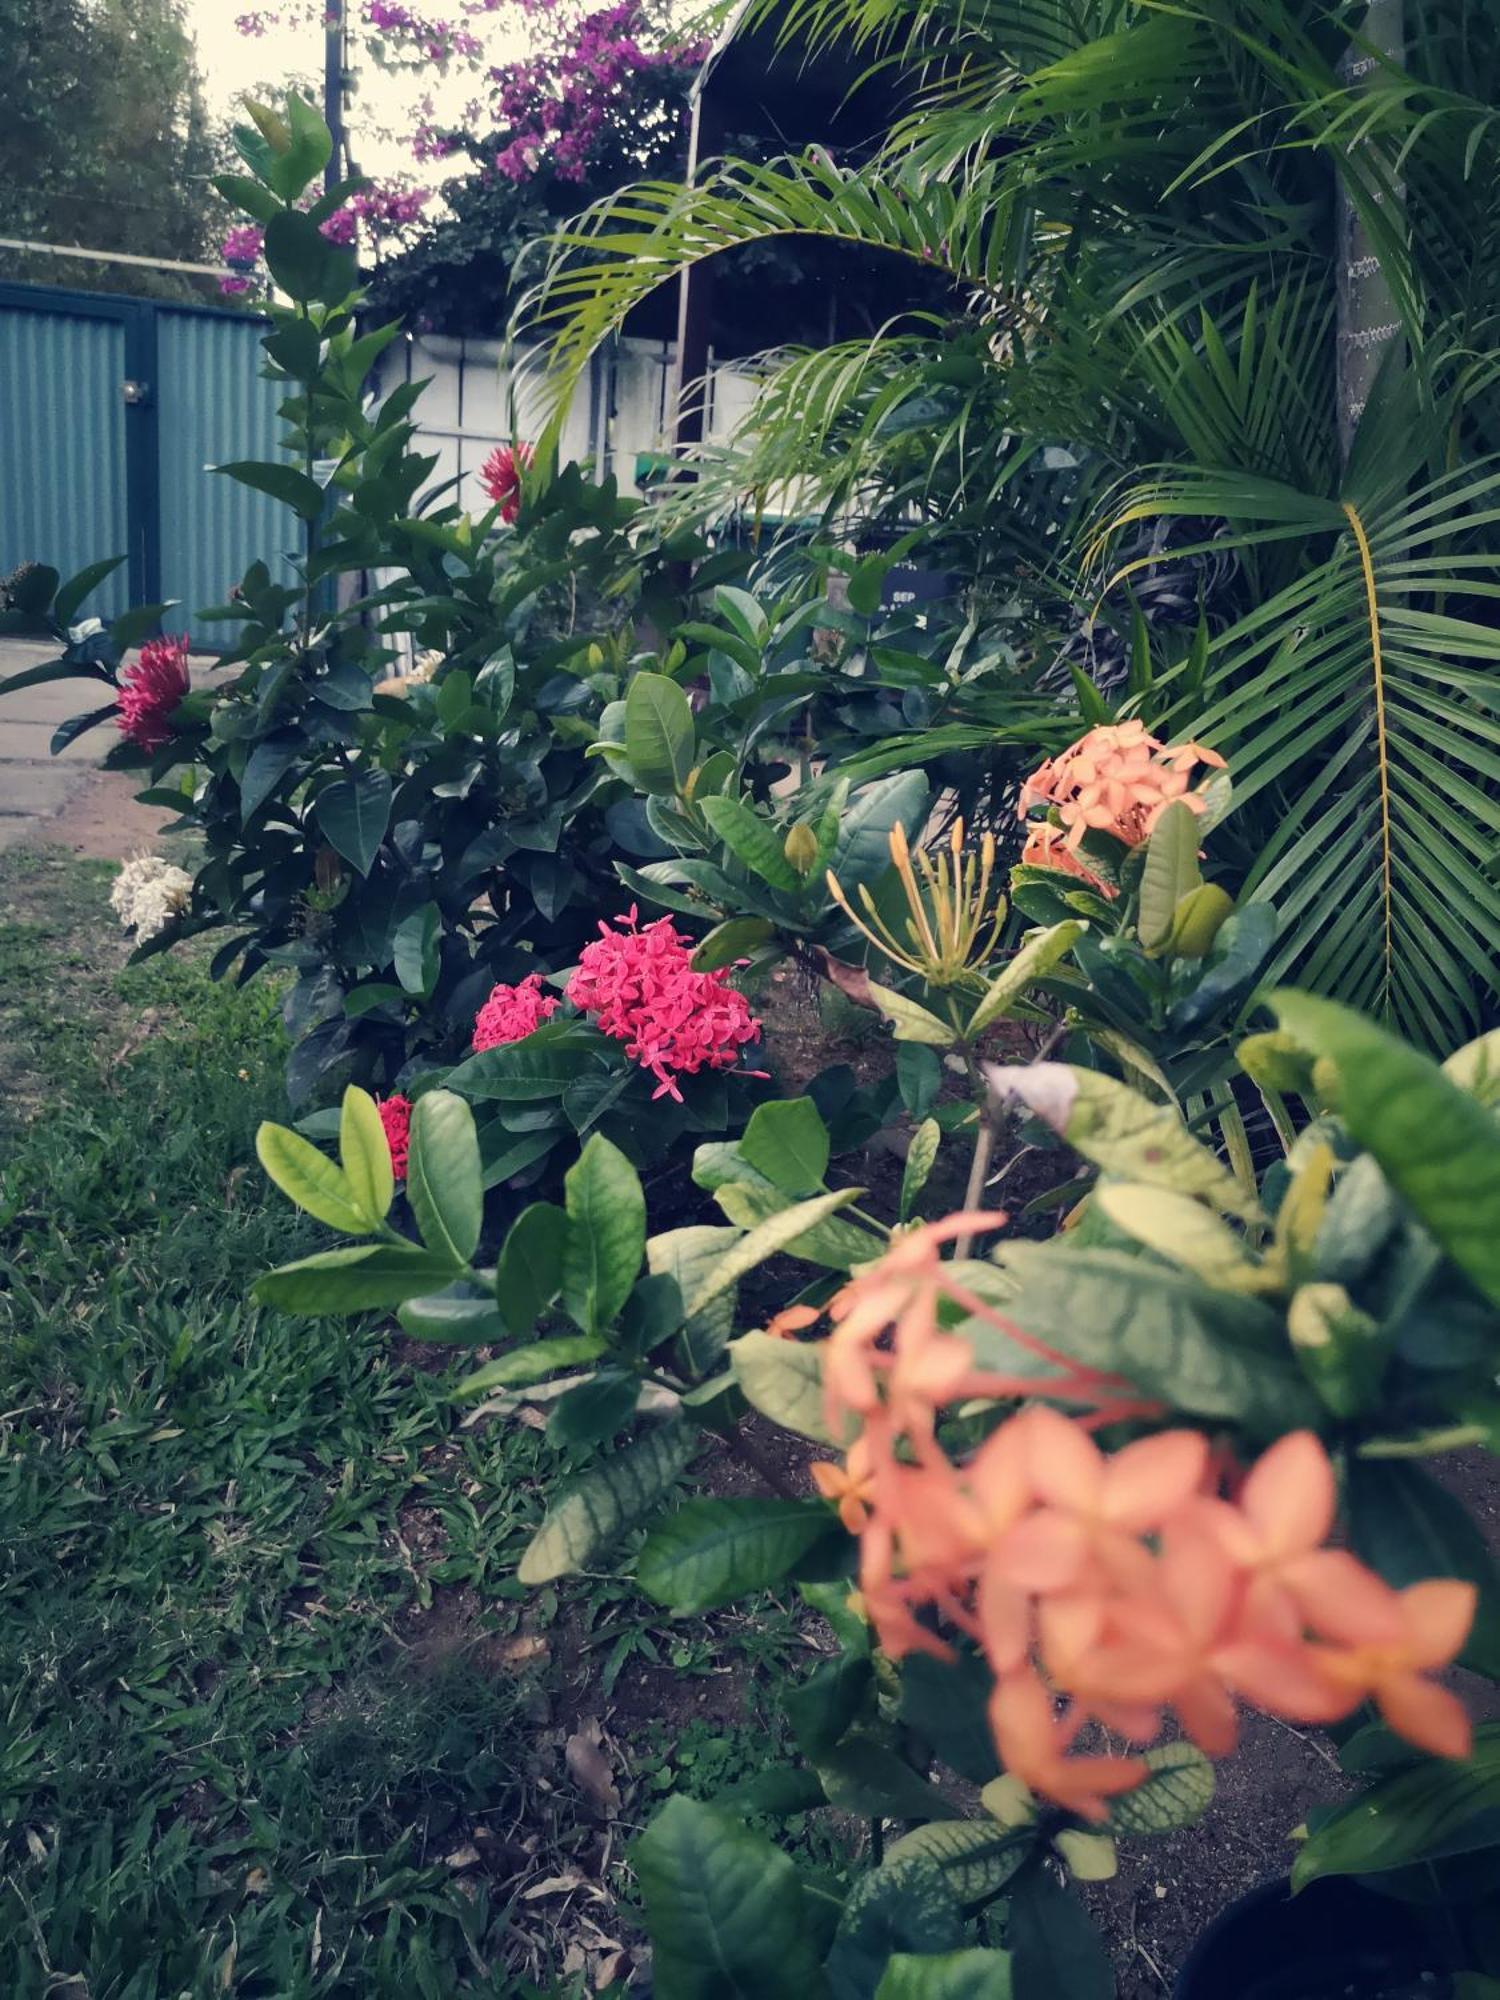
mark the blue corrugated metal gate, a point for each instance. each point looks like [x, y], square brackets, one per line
[111, 409]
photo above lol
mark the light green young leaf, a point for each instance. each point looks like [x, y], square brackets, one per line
[533, 1363]
[1178, 1791]
[1122, 1132]
[689, 1255]
[972, 1974]
[1437, 1145]
[977, 1856]
[606, 1234]
[776, 1233]
[1184, 1232]
[921, 1157]
[783, 1379]
[1171, 872]
[619, 1491]
[832, 1242]
[359, 1278]
[1476, 1068]
[311, 1180]
[1038, 954]
[365, 1155]
[444, 1182]
[659, 735]
[911, 1022]
[787, 1141]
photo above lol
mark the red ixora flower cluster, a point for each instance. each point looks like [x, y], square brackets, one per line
[151, 687]
[513, 1012]
[395, 1116]
[1122, 1584]
[641, 988]
[500, 476]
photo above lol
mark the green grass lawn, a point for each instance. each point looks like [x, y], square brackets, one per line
[226, 1764]
[264, 1726]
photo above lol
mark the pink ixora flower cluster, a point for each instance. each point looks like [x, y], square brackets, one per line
[395, 1116]
[513, 1012]
[641, 988]
[500, 476]
[151, 687]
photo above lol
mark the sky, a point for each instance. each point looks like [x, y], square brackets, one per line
[232, 63]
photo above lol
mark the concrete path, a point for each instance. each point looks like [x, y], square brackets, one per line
[66, 800]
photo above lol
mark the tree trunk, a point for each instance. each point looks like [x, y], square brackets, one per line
[1368, 321]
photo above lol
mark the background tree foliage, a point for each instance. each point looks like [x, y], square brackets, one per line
[105, 143]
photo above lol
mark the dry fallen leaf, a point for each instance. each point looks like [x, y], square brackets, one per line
[525, 1647]
[554, 1885]
[466, 1856]
[590, 1769]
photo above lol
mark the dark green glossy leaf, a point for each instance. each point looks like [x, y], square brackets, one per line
[724, 1909]
[712, 1551]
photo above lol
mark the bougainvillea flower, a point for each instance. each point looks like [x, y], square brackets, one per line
[395, 1116]
[1102, 1587]
[641, 988]
[513, 1012]
[500, 476]
[151, 689]
[1118, 779]
[1432, 1621]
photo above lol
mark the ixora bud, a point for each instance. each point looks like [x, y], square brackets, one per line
[801, 849]
[1338, 1345]
[1197, 920]
[1276, 1061]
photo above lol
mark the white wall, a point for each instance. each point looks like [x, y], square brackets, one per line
[619, 408]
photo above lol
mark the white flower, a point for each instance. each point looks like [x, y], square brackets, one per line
[148, 893]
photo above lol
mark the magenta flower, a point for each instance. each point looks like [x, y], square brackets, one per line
[151, 688]
[513, 1012]
[500, 476]
[641, 989]
[243, 245]
[395, 1116]
[342, 226]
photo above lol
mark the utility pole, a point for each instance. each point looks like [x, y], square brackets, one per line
[333, 89]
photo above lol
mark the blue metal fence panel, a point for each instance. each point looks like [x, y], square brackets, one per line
[63, 488]
[212, 407]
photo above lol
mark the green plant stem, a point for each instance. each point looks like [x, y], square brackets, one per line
[984, 1147]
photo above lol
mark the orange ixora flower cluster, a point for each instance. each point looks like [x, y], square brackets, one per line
[1117, 779]
[1103, 1588]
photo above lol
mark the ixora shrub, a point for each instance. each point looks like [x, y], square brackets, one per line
[1163, 1464]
